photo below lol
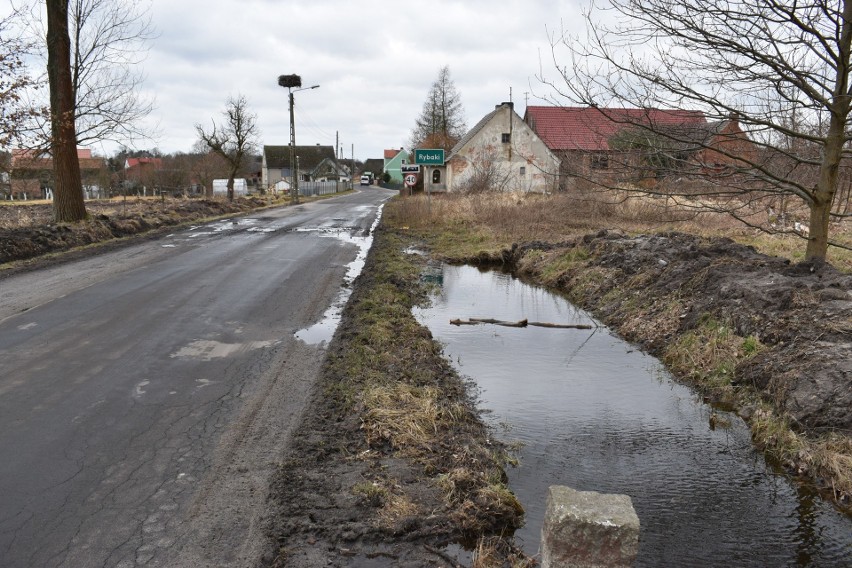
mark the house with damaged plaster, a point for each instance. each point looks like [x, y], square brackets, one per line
[502, 153]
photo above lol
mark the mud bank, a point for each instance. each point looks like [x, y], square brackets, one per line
[771, 338]
[392, 463]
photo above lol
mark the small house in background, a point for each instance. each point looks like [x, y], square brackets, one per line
[502, 153]
[394, 159]
[315, 163]
[32, 175]
[142, 174]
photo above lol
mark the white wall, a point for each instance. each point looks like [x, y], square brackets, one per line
[487, 151]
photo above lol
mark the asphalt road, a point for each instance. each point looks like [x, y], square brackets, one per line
[147, 392]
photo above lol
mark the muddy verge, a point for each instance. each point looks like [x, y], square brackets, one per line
[393, 462]
[27, 231]
[676, 295]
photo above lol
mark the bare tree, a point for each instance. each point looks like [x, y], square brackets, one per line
[482, 173]
[781, 68]
[109, 41]
[68, 204]
[15, 79]
[206, 165]
[441, 122]
[234, 139]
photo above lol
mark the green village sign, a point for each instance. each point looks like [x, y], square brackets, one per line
[429, 157]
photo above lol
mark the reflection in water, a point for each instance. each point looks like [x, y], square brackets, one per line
[595, 414]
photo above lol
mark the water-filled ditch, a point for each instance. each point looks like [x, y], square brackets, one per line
[594, 413]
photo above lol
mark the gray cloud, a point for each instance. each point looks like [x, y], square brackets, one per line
[374, 61]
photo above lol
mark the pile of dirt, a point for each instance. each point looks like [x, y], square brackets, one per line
[26, 231]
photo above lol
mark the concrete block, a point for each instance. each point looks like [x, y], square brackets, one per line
[586, 529]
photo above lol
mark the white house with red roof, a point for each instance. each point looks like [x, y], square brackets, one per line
[502, 153]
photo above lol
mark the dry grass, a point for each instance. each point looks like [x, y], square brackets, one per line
[464, 226]
[412, 406]
[708, 355]
[492, 552]
[828, 457]
[394, 506]
[405, 416]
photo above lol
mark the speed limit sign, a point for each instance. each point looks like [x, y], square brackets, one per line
[410, 180]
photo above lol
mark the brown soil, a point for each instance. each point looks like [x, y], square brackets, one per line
[27, 231]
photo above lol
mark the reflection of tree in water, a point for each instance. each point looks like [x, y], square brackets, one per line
[806, 529]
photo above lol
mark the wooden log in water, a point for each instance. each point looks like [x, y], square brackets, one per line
[561, 325]
[521, 323]
[463, 322]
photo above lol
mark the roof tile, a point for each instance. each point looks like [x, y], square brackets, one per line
[589, 128]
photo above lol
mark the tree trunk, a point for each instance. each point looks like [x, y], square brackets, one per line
[818, 231]
[832, 152]
[231, 187]
[68, 204]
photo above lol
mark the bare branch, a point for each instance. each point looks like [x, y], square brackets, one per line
[234, 139]
[781, 70]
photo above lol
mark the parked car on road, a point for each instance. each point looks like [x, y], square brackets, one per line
[365, 180]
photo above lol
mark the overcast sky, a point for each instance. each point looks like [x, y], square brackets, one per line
[374, 61]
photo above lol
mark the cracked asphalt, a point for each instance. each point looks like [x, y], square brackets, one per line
[147, 393]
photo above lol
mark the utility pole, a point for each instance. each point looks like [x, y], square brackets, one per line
[352, 181]
[337, 165]
[294, 170]
[291, 82]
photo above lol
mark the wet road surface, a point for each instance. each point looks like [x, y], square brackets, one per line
[146, 393]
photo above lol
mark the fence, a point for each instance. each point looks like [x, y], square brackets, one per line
[312, 188]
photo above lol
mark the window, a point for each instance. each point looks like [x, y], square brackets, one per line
[523, 170]
[436, 176]
[507, 137]
[599, 162]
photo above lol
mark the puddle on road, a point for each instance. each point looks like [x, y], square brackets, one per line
[594, 413]
[207, 350]
[322, 331]
[247, 224]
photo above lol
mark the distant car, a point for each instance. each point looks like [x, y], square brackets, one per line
[365, 180]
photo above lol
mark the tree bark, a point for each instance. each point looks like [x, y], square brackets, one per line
[231, 186]
[68, 204]
[832, 152]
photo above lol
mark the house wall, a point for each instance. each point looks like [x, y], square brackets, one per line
[604, 168]
[392, 166]
[731, 141]
[523, 164]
